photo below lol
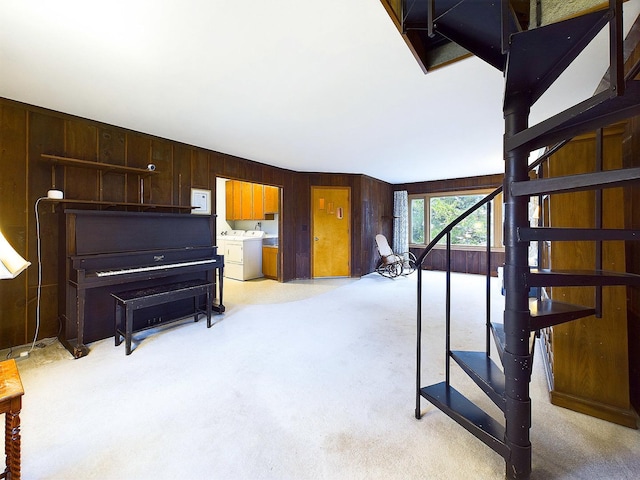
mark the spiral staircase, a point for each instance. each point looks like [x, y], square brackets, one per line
[532, 59]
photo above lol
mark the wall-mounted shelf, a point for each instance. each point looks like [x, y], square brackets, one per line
[142, 206]
[105, 167]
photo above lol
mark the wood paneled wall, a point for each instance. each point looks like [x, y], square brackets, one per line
[463, 261]
[27, 131]
[590, 363]
[631, 158]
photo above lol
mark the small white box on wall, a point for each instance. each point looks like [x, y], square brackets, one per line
[201, 201]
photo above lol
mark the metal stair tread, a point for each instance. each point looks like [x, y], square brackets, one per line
[497, 331]
[538, 56]
[468, 415]
[574, 183]
[477, 27]
[592, 113]
[534, 234]
[474, 26]
[484, 372]
[555, 278]
[545, 313]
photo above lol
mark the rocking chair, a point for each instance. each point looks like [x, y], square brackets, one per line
[392, 265]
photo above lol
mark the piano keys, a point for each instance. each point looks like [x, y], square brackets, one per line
[128, 271]
[106, 252]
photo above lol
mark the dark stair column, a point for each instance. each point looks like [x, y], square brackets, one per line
[517, 357]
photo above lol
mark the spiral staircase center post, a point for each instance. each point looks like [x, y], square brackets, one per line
[517, 358]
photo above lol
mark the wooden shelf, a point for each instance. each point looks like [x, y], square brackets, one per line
[143, 206]
[106, 167]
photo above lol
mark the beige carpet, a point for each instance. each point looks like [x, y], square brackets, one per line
[318, 387]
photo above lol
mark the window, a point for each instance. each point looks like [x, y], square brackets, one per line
[417, 221]
[431, 213]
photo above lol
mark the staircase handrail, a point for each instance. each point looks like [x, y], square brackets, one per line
[482, 202]
[455, 222]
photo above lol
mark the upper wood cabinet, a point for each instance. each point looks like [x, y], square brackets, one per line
[250, 201]
[258, 201]
[271, 199]
[246, 201]
[232, 200]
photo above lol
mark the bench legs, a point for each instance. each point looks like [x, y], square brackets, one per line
[119, 334]
[124, 316]
[127, 332]
[197, 312]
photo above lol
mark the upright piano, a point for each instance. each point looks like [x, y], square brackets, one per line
[106, 252]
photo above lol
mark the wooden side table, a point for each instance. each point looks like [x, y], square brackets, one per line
[11, 392]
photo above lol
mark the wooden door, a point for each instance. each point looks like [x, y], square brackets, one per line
[330, 231]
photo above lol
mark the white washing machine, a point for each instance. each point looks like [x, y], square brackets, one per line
[242, 254]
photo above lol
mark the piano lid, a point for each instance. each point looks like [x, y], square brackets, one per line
[98, 231]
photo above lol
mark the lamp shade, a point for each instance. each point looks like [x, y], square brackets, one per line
[11, 263]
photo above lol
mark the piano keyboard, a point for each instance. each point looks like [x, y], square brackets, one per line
[125, 271]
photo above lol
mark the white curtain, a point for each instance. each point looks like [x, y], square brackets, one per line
[400, 222]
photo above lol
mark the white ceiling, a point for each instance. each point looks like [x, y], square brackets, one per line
[313, 85]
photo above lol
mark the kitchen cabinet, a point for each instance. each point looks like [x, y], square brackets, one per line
[246, 201]
[257, 203]
[271, 199]
[234, 195]
[270, 261]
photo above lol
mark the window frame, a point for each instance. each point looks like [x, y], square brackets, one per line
[496, 213]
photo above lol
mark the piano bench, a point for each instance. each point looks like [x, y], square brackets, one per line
[128, 302]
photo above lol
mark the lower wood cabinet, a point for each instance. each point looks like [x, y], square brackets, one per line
[270, 261]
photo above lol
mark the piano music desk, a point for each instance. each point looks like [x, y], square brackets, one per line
[130, 301]
[11, 392]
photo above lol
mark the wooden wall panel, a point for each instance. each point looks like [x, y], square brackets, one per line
[112, 150]
[46, 135]
[375, 213]
[161, 184]
[13, 221]
[138, 156]
[81, 142]
[631, 158]
[182, 180]
[298, 199]
[462, 261]
[465, 183]
[200, 174]
[590, 355]
[13, 135]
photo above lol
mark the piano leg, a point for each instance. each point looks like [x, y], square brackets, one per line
[220, 307]
[72, 335]
[210, 294]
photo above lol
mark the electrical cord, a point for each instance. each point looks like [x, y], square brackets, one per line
[39, 290]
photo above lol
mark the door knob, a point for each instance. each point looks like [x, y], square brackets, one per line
[315, 238]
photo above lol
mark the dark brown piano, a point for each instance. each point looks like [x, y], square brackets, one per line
[114, 251]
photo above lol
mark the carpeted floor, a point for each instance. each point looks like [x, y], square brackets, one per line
[316, 385]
